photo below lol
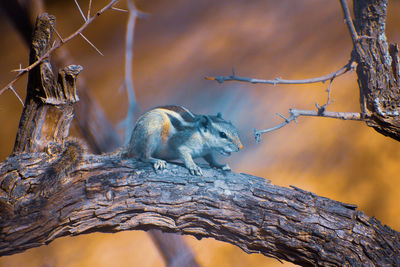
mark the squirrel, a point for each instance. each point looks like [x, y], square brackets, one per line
[173, 132]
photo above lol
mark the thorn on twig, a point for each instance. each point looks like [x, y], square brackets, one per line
[16, 94]
[80, 10]
[89, 8]
[19, 70]
[92, 45]
[283, 117]
[58, 34]
[119, 9]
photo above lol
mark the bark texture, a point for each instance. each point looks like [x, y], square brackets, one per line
[377, 69]
[105, 194]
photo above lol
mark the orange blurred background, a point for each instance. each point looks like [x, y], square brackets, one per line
[179, 44]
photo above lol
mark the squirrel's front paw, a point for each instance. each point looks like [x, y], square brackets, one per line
[225, 167]
[195, 170]
[159, 164]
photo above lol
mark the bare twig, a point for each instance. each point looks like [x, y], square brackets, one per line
[89, 8]
[275, 81]
[80, 10]
[58, 44]
[90, 43]
[348, 21]
[322, 108]
[18, 70]
[58, 34]
[295, 113]
[16, 94]
[128, 70]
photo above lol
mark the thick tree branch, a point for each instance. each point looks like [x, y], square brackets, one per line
[376, 68]
[105, 194]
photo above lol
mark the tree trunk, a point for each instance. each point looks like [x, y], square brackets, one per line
[377, 69]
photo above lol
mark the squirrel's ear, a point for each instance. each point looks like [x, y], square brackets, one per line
[219, 115]
[205, 122]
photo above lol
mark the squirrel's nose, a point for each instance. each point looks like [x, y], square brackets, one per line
[240, 145]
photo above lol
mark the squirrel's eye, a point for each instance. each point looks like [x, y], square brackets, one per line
[222, 135]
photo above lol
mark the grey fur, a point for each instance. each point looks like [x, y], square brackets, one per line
[186, 140]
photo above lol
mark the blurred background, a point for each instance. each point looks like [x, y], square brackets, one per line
[179, 44]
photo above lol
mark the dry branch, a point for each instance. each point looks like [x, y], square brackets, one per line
[276, 81]
[295, 113]
[376, 68]
[105, 194]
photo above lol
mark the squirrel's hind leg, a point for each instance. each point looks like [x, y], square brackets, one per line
[148, 151]
[158, 164]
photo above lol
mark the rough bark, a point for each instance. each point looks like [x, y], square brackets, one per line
[48, 101]
[105, 194]
[377, 69]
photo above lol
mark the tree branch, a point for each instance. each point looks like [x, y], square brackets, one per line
[321, 112]
[377, 68]
[349, 22]
[105, 194]
[276, 81]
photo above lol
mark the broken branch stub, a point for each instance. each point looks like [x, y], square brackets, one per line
[48, 112]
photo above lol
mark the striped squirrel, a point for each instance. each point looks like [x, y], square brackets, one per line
[173, 132]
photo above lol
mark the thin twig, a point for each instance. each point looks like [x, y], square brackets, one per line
[19, 98]
[58, 34]
[91, 44]
[80, 10]
[295, 113]
[322, 108]
[18, 70]
[275, 81]
[89, 8]
[58, 44]
[348, 21]
[119, 9]
[128, 70]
